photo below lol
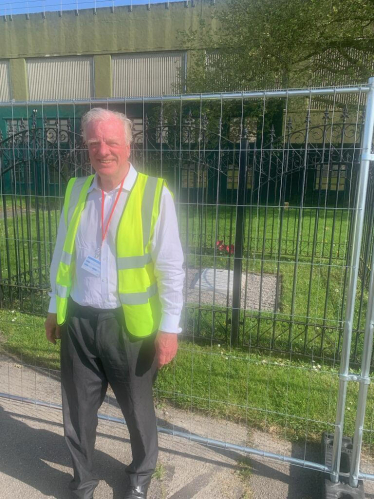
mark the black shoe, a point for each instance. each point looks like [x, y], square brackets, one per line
[136, 492]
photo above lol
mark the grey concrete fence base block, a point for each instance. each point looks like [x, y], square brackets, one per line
[342, 489]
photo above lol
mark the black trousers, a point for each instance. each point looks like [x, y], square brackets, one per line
[96, 349]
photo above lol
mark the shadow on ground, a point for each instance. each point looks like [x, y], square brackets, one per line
[36, 456]
[28, 455]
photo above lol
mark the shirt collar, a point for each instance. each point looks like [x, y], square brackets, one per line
[127, 184]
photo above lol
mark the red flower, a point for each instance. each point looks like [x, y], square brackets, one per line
[232, 249]
[220, 245]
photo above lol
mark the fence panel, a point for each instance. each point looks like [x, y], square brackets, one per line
[266, 188]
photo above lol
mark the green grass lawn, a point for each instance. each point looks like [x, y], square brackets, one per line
[293, 393]
[294, 398]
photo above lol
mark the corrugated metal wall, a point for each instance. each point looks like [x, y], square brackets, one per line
[4, 81]
[136, 75]
[60, 78]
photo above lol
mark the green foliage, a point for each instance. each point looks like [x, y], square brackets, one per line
[159, 472]
[244, 471]
[269, 43]
[245, 468]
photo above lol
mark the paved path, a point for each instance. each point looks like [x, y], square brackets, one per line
[34, 462]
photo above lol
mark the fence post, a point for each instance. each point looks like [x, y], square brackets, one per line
[364, 378]
[239, 237]
[352, 285]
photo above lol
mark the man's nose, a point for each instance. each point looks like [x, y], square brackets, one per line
[103, 149]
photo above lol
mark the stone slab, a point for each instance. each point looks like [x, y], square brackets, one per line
[215, 287]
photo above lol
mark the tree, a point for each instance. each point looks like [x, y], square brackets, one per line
[282, 43]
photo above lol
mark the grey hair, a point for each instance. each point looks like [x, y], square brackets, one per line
[100, 114]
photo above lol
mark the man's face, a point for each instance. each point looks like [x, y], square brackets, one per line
[107, 149]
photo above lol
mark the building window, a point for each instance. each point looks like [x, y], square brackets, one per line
[331, 178]
[194, 179]
[233, 175]
[57, 129]
[138, 130]
[153, 132]
[16, 126]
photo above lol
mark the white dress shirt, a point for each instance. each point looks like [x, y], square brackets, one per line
[101, 291]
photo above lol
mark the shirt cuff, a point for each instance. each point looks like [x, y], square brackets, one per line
[52, 309]
[170, 324]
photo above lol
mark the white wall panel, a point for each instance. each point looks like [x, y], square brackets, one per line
[4, 81]
[60, 78]
[136, 75]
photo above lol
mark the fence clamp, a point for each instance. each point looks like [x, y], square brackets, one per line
[365, 380]
[367, 156]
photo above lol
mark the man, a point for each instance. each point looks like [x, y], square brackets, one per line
[117, 280]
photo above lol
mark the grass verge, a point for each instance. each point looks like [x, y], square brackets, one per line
[293, 397]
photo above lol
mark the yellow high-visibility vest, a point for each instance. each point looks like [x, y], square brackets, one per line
[137, 286]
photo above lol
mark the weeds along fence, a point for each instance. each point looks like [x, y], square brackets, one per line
[270, 194]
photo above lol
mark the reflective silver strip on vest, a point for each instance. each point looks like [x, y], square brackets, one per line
[66, 258]
[138, 298]
[61, 291]
[133, 262]
[147, 208]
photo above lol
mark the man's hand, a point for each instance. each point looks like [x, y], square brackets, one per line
[52, 329]
[166, 347]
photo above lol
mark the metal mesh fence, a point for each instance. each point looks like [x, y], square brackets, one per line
[266, 193]
[291, 218]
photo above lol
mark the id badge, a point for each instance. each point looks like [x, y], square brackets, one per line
[92, 265]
